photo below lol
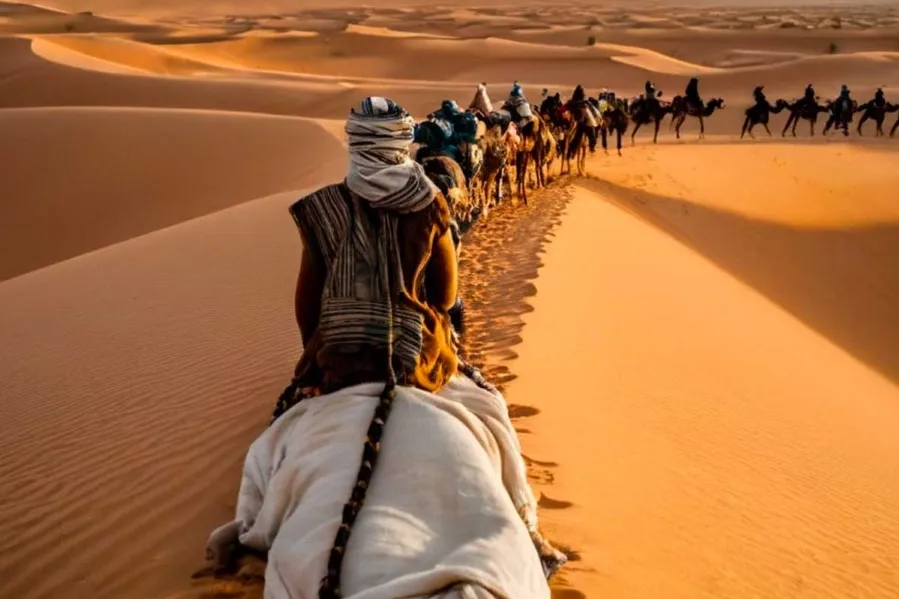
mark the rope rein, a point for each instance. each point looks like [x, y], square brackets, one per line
[330, 584]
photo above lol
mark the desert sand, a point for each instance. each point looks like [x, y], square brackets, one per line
[699, 340]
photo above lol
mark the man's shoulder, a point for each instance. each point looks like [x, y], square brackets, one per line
[334, 190]
[323, 199]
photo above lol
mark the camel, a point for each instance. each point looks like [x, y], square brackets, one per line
[547, 155]
[558, 121]
[583, 123]
[644, 111]
[578, 139]
[758, 114]
[839, 120]
[614, 118]
[681, 109]
[447, 175]
[303, 494]
[498, 146]
[532, 147]
[802, 109]
[877, 113]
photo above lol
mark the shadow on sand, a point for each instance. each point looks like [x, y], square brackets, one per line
[841, 282]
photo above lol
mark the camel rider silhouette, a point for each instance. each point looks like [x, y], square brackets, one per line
[759, 95]
[580, 108]
[578, 99]
[650, 92]
[550, 103]
[879, 100]
[844, 102]
[692, 95]
[810, 97]
[517, 105]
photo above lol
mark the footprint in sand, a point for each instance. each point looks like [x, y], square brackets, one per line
[516, 411]
[553, 504]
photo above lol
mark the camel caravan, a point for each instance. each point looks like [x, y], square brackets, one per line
[390, 467]
[477, 156]
[839, 113]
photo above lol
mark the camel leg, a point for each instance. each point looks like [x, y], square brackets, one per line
[765, 125]
[605, 145]
[746, 127]
[701, 127]
[634, 134]
[538, 166]
[620, 133]
[893, 129]
[811, 125]
[505, 182]
[521, 170]
[790, 120]
[655, 135]
[861, 122]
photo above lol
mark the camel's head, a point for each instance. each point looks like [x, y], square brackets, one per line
[781, 103]
[717, 103]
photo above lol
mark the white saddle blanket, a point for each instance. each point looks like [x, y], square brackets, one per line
[445, 515]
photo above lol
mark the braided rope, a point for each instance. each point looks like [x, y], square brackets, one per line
[330, 584]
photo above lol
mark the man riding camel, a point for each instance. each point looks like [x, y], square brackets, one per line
[550, 102]
[377, 279]
[481, 101]
[879, 101]
[691, 94]
[810, 97]
[448, 111]
[578, 99]
[581, 109]
[518, 105]
[758, 95]
[843, 105]
[650, 92]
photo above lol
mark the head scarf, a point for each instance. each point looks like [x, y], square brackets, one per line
[381, 171]
[481, 100]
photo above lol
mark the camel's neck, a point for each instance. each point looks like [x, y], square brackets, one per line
[709, 110]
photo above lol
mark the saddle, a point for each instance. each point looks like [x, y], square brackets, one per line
[694, 104]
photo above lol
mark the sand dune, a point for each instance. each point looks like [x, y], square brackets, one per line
[133, 56]
[720, 447]
[118, 173]
[134, 377]
[697, 341]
